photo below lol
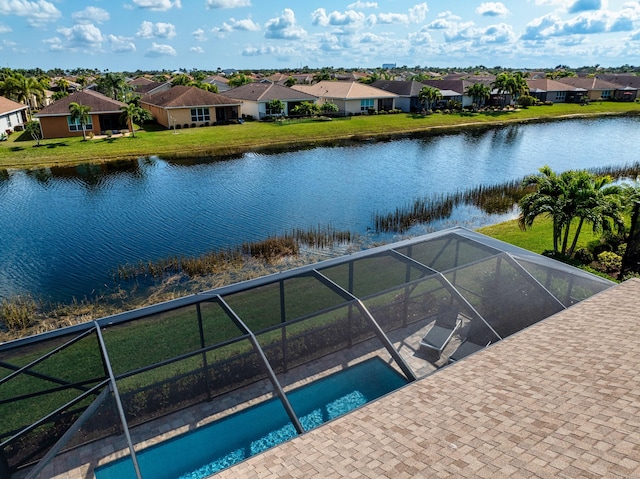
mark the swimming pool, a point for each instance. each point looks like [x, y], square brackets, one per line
[209, 449]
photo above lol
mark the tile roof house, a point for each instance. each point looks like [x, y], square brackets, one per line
[143, 86]
[351, 97]
[105, 115]
[190, 106]
[12, 114]
[545, 89]
[598, 89]
[256, 96]
[460, 85]
[407, 92]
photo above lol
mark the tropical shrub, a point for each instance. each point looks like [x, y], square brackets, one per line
[527, 101]
[610, 261]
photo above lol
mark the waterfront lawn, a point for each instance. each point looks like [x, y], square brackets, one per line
[215, 141]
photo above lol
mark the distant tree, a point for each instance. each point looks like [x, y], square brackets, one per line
[239, 79]
[28, 89]
[276, 106]
[33, 128]
[290, 82]
[59, 94]
[428, 96]
[62, 84]
[80, 114]
[113, 85]
[479, 93]
[132, 113]
[83, 81]
[181, 80]
[322, 75]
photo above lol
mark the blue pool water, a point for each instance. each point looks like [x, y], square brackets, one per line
[205, 451]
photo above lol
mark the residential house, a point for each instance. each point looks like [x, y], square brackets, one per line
[456, 89]
[105, 114]
[299, 78]
[12, 115]
[145, 86]
[545, 89]
[350, 97]
[406, 90]
[189, 106]
[630, 85]
[219, 81]
[598, 89]
[256, 97]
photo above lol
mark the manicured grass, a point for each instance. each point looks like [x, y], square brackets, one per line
[253, 136]
[538, 238]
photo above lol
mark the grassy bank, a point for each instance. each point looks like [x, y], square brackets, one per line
[20, 152]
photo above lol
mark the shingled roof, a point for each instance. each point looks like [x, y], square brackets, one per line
[343, 90]
[98, 102]
[267, 91]
[9, 106]
[188, 96]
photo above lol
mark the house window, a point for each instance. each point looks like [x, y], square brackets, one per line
[366, 104]
[74, 124]
[561, 95]
[606, 94]
[200, 114]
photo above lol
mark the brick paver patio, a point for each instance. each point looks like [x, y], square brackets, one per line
[560, 399]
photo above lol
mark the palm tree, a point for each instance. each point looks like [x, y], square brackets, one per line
[479, 93]
[28, 89]
[546, 200]
[290, 82]
[598, 202]
[239, 79]
[113, 85]
[132, 113]
[62, 84]
[80, 114]
[517, 85]
[276, 107]
[428, 96]
[569, 196]
[502, 85]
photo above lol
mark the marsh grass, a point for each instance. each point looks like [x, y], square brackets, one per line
[18, 313]
[492, 199]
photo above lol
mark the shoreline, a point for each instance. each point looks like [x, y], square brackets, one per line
[275, 143]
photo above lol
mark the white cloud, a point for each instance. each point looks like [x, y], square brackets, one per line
[421, 37]
[37, 13]
[158, 5]
[90, 15]
[284, 27]
[360, 4]
[199, 35]
[228, 3]
[389, 18]
[158, 30]
[245, 25]
[4, 28]
[492, 9]
[159, 50]
[196, 49]
[82, 35]
[121, 44]
[418, 13]
[350, 17]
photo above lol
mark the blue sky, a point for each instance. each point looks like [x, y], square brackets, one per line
[121, 35]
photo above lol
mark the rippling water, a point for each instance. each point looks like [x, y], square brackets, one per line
[65, 230]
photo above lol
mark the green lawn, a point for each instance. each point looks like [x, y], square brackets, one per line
[19, 152]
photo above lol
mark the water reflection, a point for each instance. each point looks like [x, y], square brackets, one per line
[65, 230]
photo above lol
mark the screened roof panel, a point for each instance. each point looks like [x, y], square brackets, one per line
[504, 294]
[450, 251]
[365, 276]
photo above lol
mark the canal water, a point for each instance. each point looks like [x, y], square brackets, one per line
[64, 231]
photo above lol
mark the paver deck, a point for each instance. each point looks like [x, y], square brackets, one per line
[560, 399]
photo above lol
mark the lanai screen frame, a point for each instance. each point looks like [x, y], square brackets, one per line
[102, 384]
